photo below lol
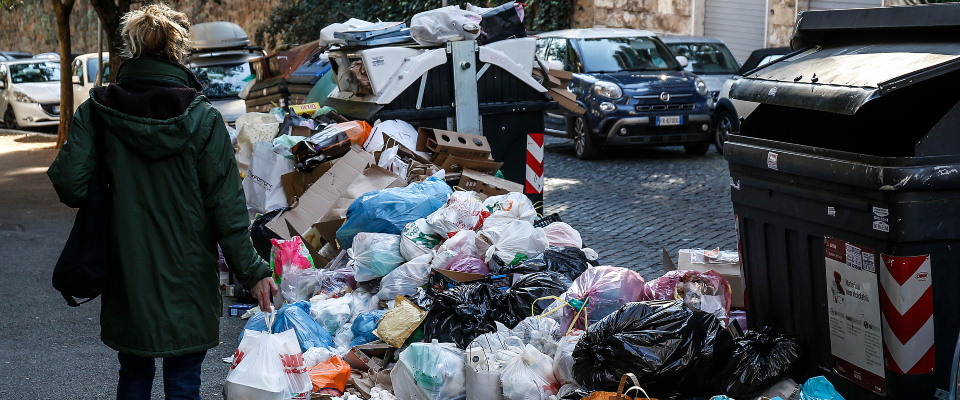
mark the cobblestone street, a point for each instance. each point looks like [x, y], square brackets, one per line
[630, 203]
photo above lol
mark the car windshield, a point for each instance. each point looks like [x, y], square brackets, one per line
[44, 71]
[222, 80]
[625, 54]
[706, 58]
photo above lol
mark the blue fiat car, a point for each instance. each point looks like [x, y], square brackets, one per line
[634, 90]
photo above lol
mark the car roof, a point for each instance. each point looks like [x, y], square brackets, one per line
[689, 39]
[596, 33]
[29, 61]
[106, 55]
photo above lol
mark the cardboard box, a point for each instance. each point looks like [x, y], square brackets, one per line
[296, 183]
[369, 356]
[448, 142]
[487, 185]
[372, 178]
[730, 271]
[322, 195]
[456, 163]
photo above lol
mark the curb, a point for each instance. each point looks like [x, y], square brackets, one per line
[5, 131]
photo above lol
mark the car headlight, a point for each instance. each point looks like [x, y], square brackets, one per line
[609, 90]
[701, 86]
[22, 97]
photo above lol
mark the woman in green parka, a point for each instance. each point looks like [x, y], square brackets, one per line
[176, 196]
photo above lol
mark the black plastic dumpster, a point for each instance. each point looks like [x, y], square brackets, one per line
[846, 186]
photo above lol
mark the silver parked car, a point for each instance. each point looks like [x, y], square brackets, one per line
[707, 57]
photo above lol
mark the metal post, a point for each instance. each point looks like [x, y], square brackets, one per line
[464, 54]
[99, 80]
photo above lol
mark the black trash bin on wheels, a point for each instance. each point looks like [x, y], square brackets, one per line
[846, 186]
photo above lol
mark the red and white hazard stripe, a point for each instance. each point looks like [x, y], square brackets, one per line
[906, 302]
[534, 184]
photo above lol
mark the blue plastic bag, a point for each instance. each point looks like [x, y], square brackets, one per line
[390, 210]
[818, 388]
[295, 316]
[364, 325]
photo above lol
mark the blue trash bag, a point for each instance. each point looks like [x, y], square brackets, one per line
[818, 388]
[390, 210]
[295, 316]
[364, 325]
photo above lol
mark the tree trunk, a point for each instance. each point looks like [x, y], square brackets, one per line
[63, 9]
[110, 12]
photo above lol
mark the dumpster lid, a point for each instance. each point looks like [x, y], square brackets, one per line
[847, 58]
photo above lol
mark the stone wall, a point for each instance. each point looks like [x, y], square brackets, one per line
[32, 26]
[661, 16]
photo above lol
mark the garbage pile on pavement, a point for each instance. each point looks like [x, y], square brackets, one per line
[396, 282]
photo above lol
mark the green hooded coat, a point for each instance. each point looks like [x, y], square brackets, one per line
[176, 195]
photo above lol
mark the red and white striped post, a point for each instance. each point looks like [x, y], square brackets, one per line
[533, 187]
[906, 304]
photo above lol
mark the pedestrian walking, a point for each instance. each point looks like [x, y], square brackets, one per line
[176, 195]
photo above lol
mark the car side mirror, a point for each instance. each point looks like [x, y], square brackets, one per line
[683, 61]
[76, 80]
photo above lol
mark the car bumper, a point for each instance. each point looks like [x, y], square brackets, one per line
[642, 131]
[34, 114]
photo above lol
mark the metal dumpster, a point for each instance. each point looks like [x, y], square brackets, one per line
[846, 186]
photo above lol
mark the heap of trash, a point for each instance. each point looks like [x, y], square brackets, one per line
[403, 275]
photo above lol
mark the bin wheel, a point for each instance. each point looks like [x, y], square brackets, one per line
[583, 145]
[10, 119]
[697, 149]
[727, 123]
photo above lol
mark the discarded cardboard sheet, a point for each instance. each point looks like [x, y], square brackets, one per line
[373, 178]
[456, 163]
[487, 185]
[730, 271]
[567, 101]
[449, 142]
[370, 356]
[295, 183]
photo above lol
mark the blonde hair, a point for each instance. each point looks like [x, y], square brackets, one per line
[157, 31]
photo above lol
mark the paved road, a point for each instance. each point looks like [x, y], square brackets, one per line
[626, 206]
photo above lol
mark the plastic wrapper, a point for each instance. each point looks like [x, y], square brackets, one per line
[288, 255]
[602, 290]
[471, 265]
[304, 284]
[417, 239]
[390, 210]
[521, 299]
[669, 346]
[527, 374]
[462, 313]
[462, 245]
[518, 241]
[405, 280]
[364, 326]
[433, 371]
[462, 211]
[562, 234]
[329, 375]
[507, 208]
[567, 261]
[399, 323]
[442, 25]
[818, 388]
[374, 255]
[759, 360]
[331, 313]
[707, 291]
[542, 333]
[294, 316]
[257, 372]
[316, 355]
[563, 358]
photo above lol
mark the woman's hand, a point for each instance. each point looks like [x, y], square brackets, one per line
[263, 290]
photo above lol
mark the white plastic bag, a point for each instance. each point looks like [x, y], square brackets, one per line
[487, 237]
[563, 358]
[363, 301]
[331, 313]
[482, 370]
[316, 355]
[253, 128]
[463, 211]
[527, 374]
[342, 338]
[447, 24]
[431, 371]
[418, 239]
[518, 241]
[268, 366]
[460, 246]
[393, 163]
[405, 280]
[262, 184]
[562, 234]
[507, 208]
[374, 255]
[542, 333]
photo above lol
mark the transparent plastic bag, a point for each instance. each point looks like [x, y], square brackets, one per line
[363, 301]
[518, 241]
[288, 255]
[542, 333]
[602, 290]
[417, 239]
[707, 291]
[432, 371]
[374, 255]
[447, 24]
[406, 278]
[462, 245]
[462, 211]
[562, 234]
[527, 374]
[331, 313]
[294, 316]
[471, 265]
[509, 207]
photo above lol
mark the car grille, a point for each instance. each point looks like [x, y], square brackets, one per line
[48, 108]
[667, 107]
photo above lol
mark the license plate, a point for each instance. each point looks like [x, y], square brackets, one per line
[667, 121]
[56, 109]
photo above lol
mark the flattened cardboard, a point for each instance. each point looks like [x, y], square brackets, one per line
[369, 356]
[318, 199]
[448, 142]
[297, 130]
[455, 163]
[729, 271]
[488, 185]
[567, 101]
[373, 178]
[295, 183]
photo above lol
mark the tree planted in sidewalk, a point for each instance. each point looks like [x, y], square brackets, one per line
[63, 9]
[110, 12]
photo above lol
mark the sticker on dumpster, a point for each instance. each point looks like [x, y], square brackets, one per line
[853, 305]
[831, 211]
[906, 294]
[772, 160]
[881, 219]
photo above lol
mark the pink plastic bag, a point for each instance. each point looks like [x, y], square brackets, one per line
[601, 290]
[463, 211]
[472, 265]
[460, 246]
[707, 291]
[562, 234]
[288, 255]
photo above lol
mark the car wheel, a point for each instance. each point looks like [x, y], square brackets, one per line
[697, 149]
[727, 123]
[583, 145]
[10, 120]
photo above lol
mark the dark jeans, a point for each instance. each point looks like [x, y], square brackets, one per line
[181, 377]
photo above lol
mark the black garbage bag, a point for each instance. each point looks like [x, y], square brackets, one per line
[759, 360]
[462, 313]
[568, 261]
[669, 346]
[323, 146]
[501, 23]
[422, 299]
[523, 295]
[260, 235]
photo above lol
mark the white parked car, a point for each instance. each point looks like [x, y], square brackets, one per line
[85, 76]
[728, 112]
[30, 93]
